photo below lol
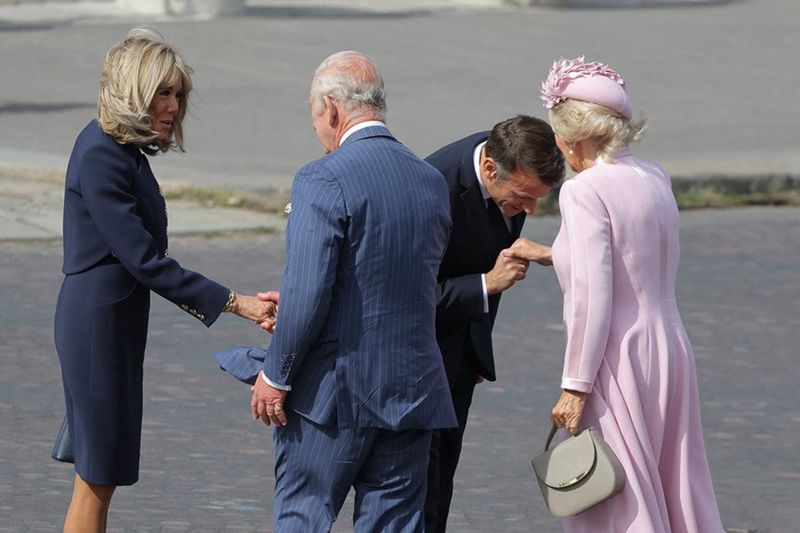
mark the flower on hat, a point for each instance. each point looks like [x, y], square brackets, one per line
[564, 71]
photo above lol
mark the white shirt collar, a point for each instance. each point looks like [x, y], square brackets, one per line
[360, 126]
[476, 158]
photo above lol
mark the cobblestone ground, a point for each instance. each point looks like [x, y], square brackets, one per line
[207, 467]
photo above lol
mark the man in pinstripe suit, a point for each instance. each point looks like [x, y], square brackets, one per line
[353, 378]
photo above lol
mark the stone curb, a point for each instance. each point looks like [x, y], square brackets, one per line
[32, 209]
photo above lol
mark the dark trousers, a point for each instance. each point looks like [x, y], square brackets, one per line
[445, 451]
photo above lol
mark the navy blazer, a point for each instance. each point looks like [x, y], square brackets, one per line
[355, 336]
[463, 330]
[113, 208]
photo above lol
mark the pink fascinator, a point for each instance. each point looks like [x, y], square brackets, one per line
[590, 82]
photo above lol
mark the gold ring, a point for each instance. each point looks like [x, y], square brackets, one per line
[278, 408]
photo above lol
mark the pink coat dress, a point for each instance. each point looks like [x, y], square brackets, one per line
[616, 257]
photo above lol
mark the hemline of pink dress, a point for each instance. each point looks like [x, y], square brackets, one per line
[616, 257]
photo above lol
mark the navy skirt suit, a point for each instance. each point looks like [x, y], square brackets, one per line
[115, 253]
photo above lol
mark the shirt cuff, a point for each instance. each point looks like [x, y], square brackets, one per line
[485, 294]
[274, 385]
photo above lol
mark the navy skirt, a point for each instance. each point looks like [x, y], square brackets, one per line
[100, 333]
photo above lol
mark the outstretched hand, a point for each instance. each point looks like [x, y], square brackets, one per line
[254, 309]
[273, 297]
[531, 251]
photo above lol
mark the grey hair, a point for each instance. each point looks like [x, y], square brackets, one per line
[352, 79]
[576, 120]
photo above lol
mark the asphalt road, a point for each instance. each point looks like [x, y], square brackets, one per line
[206, 467]
[716, 80]
[717, 83]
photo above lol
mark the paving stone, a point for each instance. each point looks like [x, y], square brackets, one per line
[206, 467]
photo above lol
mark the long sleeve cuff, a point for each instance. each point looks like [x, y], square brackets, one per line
[274, 385]
[576, 384]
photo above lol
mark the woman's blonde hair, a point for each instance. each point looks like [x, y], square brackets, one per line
[133, 73]
[576, 120]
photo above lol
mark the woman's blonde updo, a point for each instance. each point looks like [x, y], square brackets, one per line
[133, 73]
[576, 120]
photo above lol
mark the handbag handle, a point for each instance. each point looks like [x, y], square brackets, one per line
[552, 434]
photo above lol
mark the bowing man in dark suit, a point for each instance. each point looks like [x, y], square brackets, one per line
[353, 378]
[494, 179]
[115, 253]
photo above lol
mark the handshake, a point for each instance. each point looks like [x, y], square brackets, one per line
[261, 309]
[512, 264]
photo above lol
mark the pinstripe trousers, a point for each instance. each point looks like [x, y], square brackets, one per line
[316, 465]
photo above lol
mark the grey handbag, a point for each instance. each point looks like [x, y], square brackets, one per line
[578, 473]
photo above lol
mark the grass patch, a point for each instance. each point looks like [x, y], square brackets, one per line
[47, 175]
[720, 191]
[703, 192]
[702, 198]
[267, 201]
[713, 192]
[227, 233]
[695, 192]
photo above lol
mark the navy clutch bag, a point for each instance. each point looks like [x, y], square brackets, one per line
[242, 362]
[62, 450]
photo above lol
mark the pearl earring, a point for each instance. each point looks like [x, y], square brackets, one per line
[571, 151]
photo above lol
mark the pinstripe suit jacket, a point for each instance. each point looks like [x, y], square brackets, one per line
[356, 337]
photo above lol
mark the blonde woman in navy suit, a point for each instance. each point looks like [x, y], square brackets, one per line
[115, 253]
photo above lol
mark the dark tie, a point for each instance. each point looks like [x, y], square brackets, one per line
[498, 222]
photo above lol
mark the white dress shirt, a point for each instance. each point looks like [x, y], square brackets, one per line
[476, 158]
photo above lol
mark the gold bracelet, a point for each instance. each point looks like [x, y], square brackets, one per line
[230, 303]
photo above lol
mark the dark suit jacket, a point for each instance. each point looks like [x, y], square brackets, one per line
[113, 209]
[355, 336]
[463, 330]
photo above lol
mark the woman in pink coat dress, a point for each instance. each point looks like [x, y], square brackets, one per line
[629, 369]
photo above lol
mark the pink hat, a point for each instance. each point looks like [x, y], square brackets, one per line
[590, 82]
